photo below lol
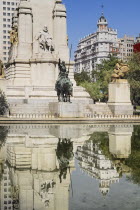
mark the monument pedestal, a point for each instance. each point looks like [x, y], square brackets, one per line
[120, 140]
[68, 110]
[119, 98]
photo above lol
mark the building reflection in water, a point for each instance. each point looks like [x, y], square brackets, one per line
[97, 162]
[36, 162]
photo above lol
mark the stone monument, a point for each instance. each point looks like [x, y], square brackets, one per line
[119, 92]
[38, 40]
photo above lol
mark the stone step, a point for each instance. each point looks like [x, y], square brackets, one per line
[98, 109]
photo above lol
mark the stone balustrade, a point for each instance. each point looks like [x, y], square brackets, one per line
[108, 116]
[85, 115]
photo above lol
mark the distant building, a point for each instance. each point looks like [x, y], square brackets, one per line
[138, 39]
[7, 8]
[126, 47]
[94, 48]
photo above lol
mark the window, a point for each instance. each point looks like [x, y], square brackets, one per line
[4, 19]
[4, 8]
[4, 2]
[4, 14]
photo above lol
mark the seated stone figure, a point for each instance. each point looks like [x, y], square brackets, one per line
[45, 40]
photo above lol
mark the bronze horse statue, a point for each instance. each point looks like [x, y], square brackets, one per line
[63, 85]
[64, 89]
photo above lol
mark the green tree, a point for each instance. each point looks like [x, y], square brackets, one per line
[81, 77]
[134, 77]
[3, 135]
[103, 74]
[93, 89]
[134, 159]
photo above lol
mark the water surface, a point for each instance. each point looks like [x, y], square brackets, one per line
[70, 167]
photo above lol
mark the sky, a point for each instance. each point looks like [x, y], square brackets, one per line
[82, 16]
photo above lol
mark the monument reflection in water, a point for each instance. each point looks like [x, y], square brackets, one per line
[38, 170]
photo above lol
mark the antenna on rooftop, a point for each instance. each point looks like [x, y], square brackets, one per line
[102, 6]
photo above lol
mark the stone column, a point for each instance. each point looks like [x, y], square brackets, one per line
[60, 30]
[25, 30]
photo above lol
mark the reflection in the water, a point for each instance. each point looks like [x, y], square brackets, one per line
[64, 154]
[37, 161]
[96, 164]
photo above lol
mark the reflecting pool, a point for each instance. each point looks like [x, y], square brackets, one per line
[70, 167]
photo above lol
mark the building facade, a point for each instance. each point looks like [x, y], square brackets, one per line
[138, 39]
[126, 47]
[7, 8]
[94, 48]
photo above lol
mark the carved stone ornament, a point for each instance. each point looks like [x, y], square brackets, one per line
[14, 35]
[120, 71]
[45, 40]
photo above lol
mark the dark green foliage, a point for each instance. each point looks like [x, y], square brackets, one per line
[3, 135]
[98, 89]
[134, 159]
[102, 76]
[3, 104]
[81, 77]
[134, 78]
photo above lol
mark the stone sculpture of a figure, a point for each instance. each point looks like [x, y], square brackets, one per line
[45, 40]
[14, 35]
[120, 71]
[1, 69]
